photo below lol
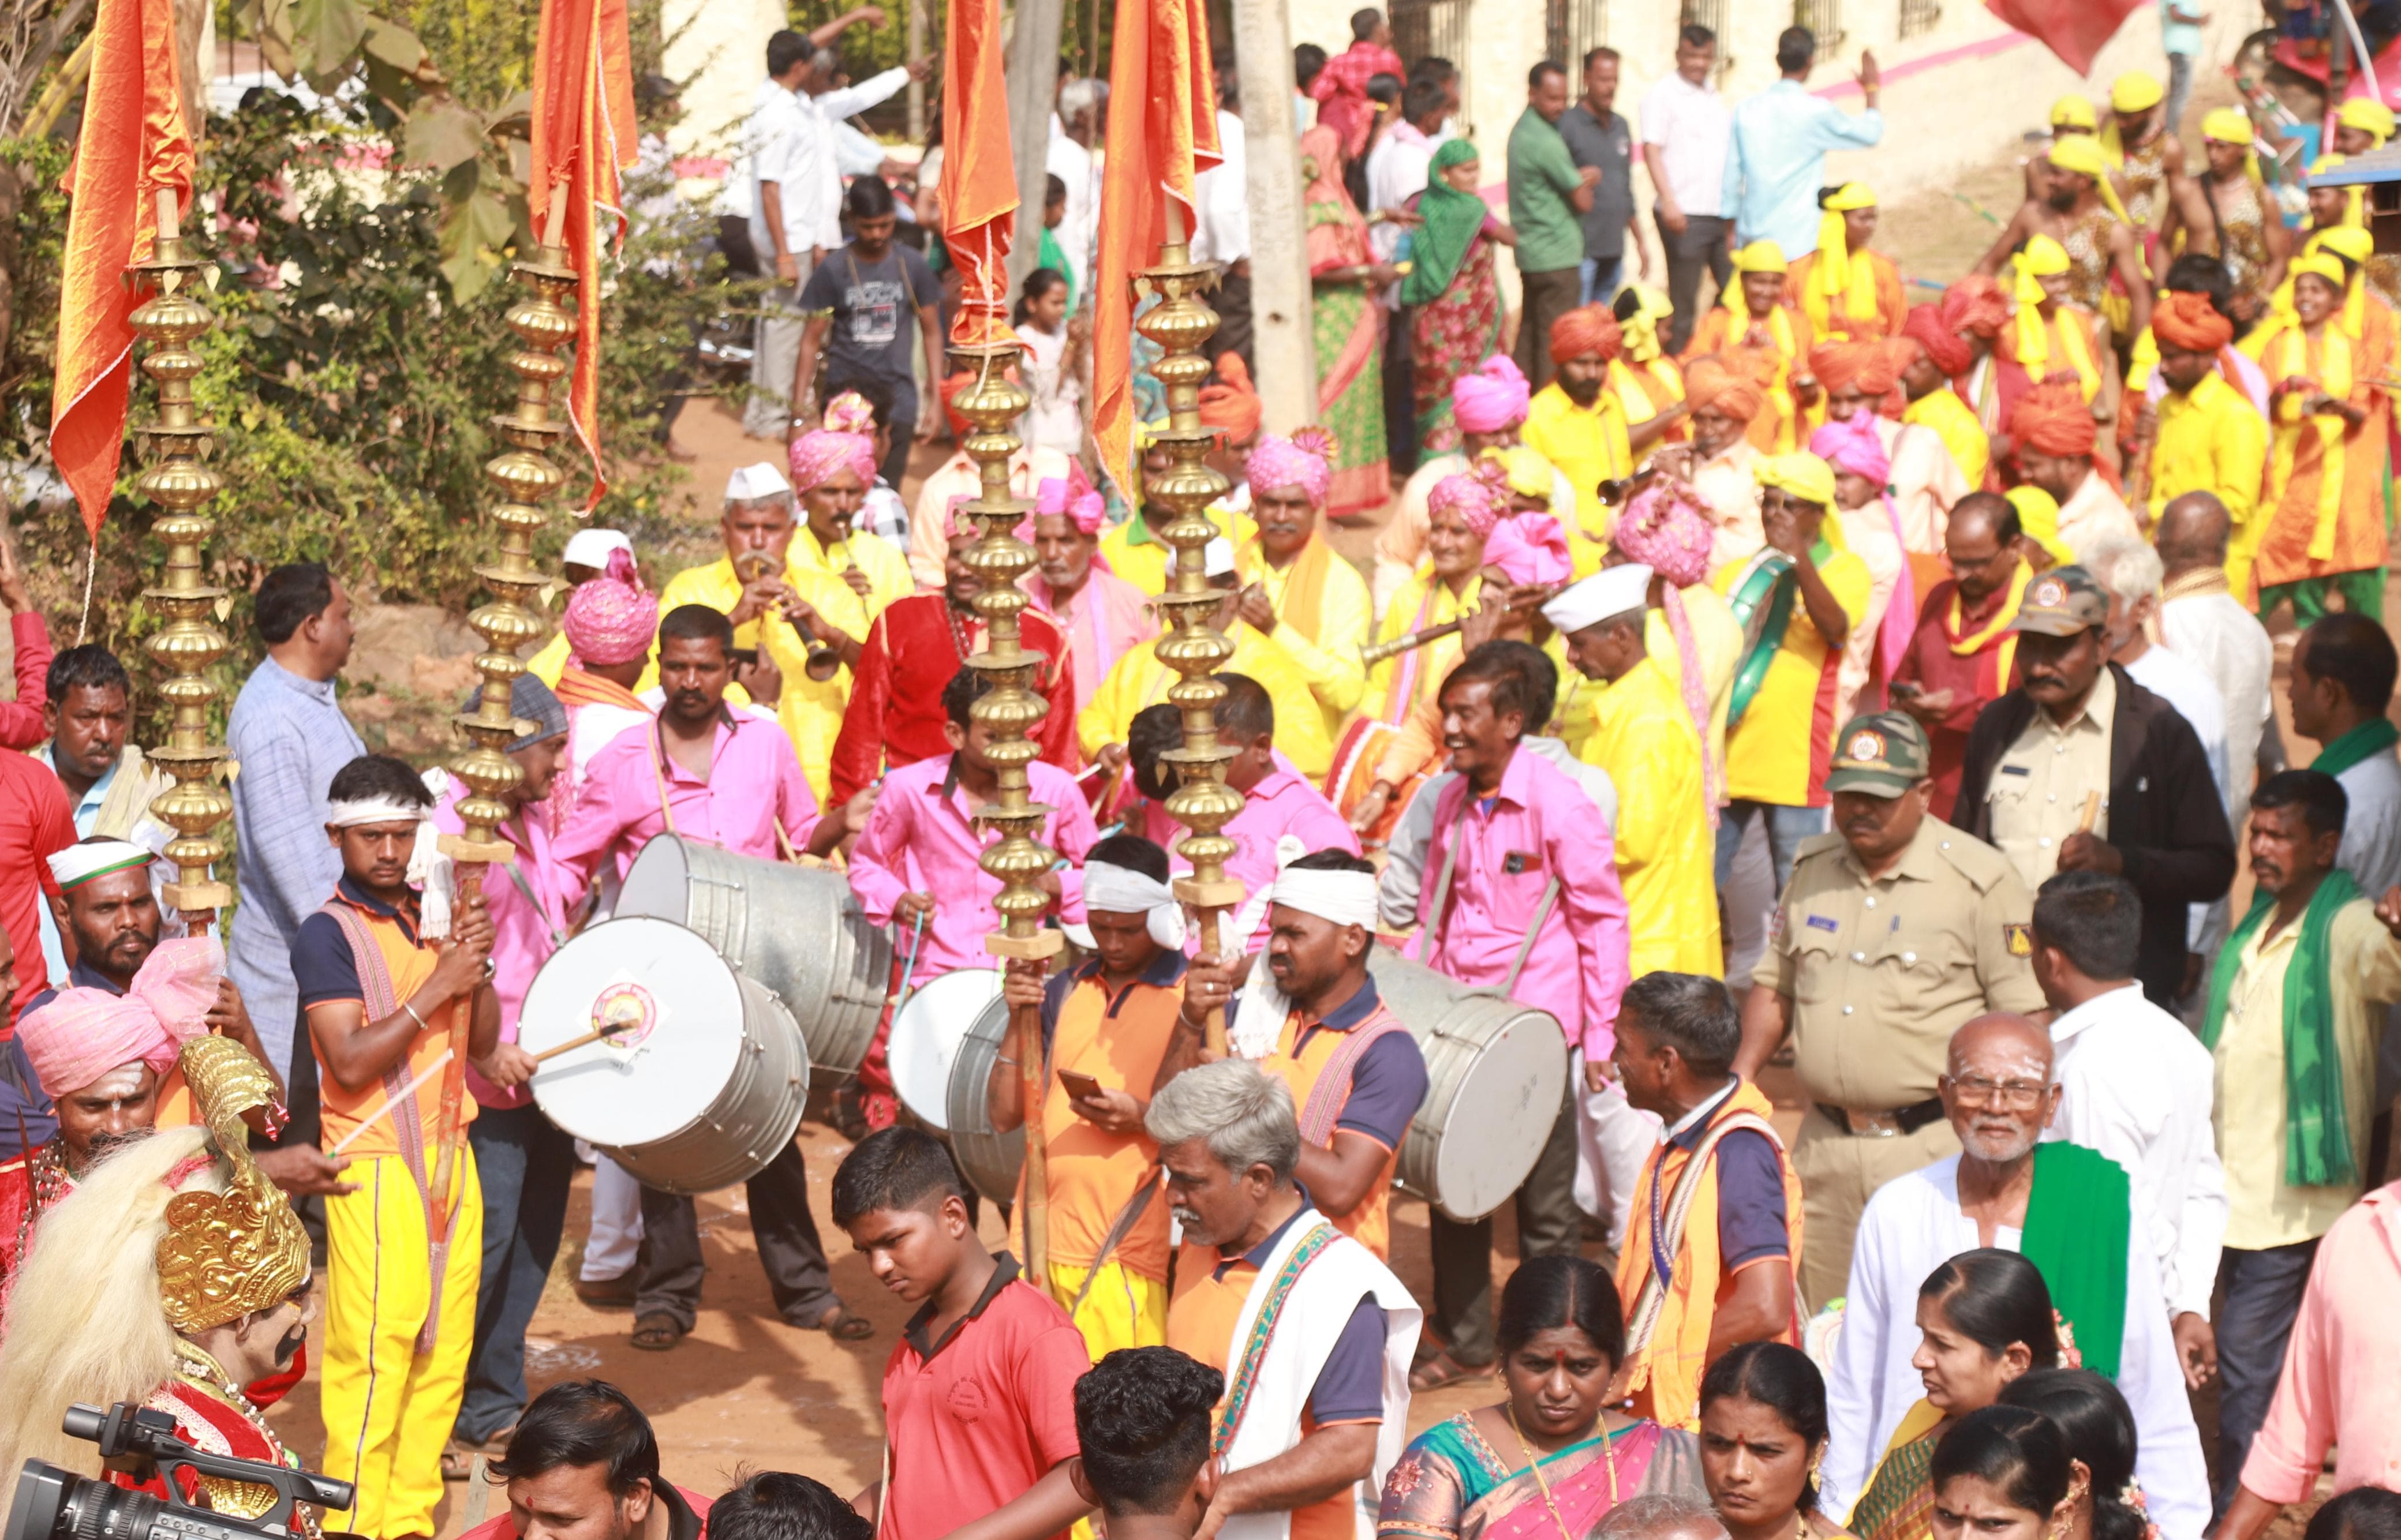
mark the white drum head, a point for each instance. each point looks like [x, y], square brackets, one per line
[681, 1015]
[925, 1034]
[656, 882]
[1508, 1099]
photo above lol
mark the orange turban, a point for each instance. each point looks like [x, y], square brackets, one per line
[1974, 304]
[2052, 419]
[1588, 330]
[1866, 365]
[1926, 328]
[1231, 406]
[2189, 323]
[1727, 383]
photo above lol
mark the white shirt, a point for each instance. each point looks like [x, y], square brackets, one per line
[2137, 1088]
[823, 170]
[2231, 646]
[2371, 832]
[1072, 164]
[1223, 195]
[1397, 168]
[2182, 684]
[1914, 1225]
[782, 145]
[1692, 127]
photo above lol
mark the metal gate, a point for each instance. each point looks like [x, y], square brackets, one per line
[1435, 27]
[1573, 29]
[1824, 20]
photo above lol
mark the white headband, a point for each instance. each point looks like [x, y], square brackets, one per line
[81, 863]
[350, 814]
[1121, 890]
[1346, 898]
[429, 869]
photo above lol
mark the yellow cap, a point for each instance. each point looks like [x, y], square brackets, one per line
[2042, 256]
[2318, 266]
[1850, 195]
[1802, 474]
[2078, 154]
[2344, 240]
[2073, 112]
[2228, 126]
[2366, 116]
[1761, 256]
[2134, 91]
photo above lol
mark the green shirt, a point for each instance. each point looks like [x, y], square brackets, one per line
[1541, 174]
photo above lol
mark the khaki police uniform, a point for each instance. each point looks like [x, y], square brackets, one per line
[1880, 971]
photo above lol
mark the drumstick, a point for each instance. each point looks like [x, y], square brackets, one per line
[593, 1036]
[2091, 811]
[389, 1102]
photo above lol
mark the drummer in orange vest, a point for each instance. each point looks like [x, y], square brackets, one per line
[1720, 1177]
[724, 776]
[1307, 1011]
[1107, 1022]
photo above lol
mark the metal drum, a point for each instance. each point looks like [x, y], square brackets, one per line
[989, 1160]
[701, 1082]
[1497, 1074]
[797, 930]
[926, 1033]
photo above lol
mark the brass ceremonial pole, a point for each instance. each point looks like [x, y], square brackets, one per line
[178, 481]
[1182, 324]
[524, 478]
[1012, 709]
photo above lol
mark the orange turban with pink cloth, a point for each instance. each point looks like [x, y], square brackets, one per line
[1856, 447]
[83, 1034]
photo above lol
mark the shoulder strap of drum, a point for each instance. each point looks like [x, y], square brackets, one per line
[1137, 1202]
[1667, 1220]
[1437, 916]
[1332, 1088]
[1525, 946]
[659, 775]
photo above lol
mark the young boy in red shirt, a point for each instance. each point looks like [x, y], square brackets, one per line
[979, 1392]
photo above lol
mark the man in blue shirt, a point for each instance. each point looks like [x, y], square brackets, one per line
[1777, 159]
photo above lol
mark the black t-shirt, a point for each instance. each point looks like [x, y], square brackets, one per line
[874, 307]
[1609, 146]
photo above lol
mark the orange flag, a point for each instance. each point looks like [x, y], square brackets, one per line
[133, 145]
[979, 176]
[584, 134]
[1162, 130]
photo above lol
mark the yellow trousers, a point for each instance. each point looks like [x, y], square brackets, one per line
[1123, 1310]
[388, 1408]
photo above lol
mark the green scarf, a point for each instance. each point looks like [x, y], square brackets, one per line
[1452, 219]
[2077, 1228]
[1771, 580]
[2317, 1132]
[2364, 741]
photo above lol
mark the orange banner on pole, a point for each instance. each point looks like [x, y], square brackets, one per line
[133, 145]
[1162, 132]
[978, 173]
[583, 135]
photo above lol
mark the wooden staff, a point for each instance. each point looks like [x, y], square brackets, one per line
[449, 1133]
[1026, 1039]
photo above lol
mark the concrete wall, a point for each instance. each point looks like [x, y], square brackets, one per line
[719, 48]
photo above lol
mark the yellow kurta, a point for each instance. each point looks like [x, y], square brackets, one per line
[886, 568]
[1665, 849]
[1716, 644]
[2364, 972]
[809, 710]
[1955, 422]
[1589, 445]
[1345, 616]
[1141, 558]
[2213, 440]
[1643, 391]
[1425, 600]
[1139, 679]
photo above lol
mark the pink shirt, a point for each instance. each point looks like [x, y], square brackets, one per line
[2339, 1385]
[918, 840]
[525, 930]
[1537, 827]
[1283, 803]
[634, 789]
[1104, 620]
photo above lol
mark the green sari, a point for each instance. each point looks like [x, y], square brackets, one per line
[1348, 328]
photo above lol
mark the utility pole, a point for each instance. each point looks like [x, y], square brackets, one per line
[1033, 86]
[1280, 341]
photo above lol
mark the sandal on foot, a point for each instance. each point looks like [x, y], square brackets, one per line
[458, 1462]
[843, 1326]
[1443, 1370]
[656, 1331]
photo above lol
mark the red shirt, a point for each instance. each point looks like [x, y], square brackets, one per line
[975, 1419]
[1975, 678]
[35, 824]
[21, 720]
[895, 714]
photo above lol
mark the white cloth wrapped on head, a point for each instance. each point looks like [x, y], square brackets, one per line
[1346, 898]
[1120, 890]
[429, 868]
[81, 861]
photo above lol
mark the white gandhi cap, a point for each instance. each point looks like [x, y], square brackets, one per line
[591, 547]
[753, 482]
[1611, 590]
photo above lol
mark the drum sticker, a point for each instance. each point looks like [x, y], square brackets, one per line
[626, 1013]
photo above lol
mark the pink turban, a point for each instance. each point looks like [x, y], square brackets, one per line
[1529, 549]
[1492, 399]
[611, 619]
[1300, 460]
[1667, 528]
[850, 413]
[1479, 496]
[1072, 497]
[1855, 447]
[818, 453]
[83, 1034]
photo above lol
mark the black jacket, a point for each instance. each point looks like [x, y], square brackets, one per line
[2164, 815]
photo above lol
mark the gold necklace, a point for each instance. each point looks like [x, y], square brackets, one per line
[1608, 1457]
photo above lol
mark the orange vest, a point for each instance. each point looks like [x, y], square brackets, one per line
[397, 966]
[1300, 1065]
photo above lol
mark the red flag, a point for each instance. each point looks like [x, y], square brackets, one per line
[979, 175]
[1163, 131]
[2073, 29]
[133, 147]
[584, 134]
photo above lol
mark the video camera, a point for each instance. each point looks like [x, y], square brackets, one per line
[53, 1503]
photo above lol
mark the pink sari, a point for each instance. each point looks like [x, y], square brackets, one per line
[1451, 1484]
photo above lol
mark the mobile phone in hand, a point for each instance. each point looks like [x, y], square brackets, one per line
[1082, 1087]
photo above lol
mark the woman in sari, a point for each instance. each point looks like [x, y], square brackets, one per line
[1987, 1319]
[1548, 1463]
[1349, 327]
[1452, 292]
[1762, 1430]
[2092, 1414]
[2003, 1473]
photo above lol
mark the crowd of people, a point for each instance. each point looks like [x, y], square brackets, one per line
[1804, 671]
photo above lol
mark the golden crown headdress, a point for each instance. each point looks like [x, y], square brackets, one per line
[227, 1254]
